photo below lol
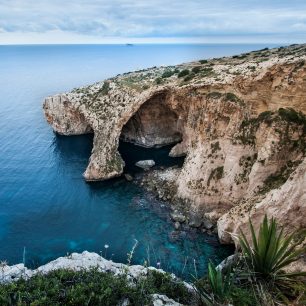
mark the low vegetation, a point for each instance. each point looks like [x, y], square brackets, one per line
[183, 73]
[105, 88]
[257, 276]
[67, 287]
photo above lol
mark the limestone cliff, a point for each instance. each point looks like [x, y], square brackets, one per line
[239, 120]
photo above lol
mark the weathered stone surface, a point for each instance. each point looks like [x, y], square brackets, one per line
[178, 217]
[145, 164]
[195, 220]
[177, 225]
[75, 261]
[226, 118]
[163, 300]
[287, 204]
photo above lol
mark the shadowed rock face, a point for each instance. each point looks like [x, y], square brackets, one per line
[228, 117]
[153, 125]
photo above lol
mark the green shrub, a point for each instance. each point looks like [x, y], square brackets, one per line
[183, 73]
[158, 81]
[229, 96]
[243, 296]
[291, 115]
[271, 251]
[203, 62]
[105, 88]
[168, 74]
[196, 69]
[214, 95]
[67, 287]
[216, 288]
[268, 255]
[189, 77]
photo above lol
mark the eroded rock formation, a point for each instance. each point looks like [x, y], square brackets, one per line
[239, 120]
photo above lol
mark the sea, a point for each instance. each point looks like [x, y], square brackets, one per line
[47, 210]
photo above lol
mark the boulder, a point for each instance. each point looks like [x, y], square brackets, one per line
[145, 164]
[177, 217]
[195, 220]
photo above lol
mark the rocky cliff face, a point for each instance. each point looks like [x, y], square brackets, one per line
[239, 120]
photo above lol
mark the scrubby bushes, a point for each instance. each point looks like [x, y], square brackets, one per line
[183, 73]
[168, 74]
[67, 287]
[196, 69]
[189, 77]
[105, 88]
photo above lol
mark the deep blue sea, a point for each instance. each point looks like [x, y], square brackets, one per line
[46, 208]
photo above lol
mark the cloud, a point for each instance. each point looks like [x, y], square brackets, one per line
[103, 19]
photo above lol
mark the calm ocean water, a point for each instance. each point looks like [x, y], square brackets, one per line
[45, 205]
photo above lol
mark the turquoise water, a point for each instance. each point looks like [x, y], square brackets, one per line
[45, 205]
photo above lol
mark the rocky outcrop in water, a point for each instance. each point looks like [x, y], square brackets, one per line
[238, 120]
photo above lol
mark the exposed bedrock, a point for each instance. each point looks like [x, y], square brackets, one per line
[239, 121]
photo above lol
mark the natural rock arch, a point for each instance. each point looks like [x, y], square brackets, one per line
[155, 124]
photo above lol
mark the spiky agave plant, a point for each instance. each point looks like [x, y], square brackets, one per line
[219, 286]
[271, 250]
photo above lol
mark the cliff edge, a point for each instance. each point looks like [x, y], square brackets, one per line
[240, 121]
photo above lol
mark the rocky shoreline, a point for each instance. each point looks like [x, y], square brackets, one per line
[161, 184]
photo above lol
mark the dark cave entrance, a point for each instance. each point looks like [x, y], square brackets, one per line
[150, 134]
[153, 125]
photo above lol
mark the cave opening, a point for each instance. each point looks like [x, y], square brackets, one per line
[150, 134]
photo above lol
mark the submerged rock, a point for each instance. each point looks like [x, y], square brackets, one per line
[145, 164]
[128, 177]
[195, 220]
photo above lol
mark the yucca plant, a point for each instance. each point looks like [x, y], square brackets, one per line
[219, 286]
[271, 250]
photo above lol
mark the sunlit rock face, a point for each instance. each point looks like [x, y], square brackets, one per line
[229, 116]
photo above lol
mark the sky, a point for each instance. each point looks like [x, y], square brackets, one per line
[152, 21]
